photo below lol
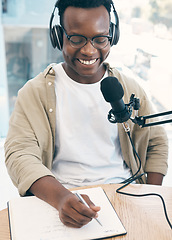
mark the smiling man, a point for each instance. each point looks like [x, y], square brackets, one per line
[59, 136]
[86, 45]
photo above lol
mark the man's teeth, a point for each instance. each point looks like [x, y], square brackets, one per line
[87, 62]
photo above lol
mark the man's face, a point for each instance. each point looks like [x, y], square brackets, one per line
[85, 64]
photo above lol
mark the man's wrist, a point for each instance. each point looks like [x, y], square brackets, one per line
[154, 178]
[49, 189]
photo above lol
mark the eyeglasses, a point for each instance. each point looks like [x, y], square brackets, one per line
[79, 41]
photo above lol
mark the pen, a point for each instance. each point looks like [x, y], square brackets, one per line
[84, 202]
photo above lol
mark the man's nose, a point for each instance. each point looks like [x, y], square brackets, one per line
[88, 48]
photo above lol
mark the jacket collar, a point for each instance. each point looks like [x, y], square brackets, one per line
[49, 70]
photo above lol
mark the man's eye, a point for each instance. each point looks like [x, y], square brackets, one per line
[77, 40]
[100, 40]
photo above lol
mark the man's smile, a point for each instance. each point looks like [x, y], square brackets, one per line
[87, 62]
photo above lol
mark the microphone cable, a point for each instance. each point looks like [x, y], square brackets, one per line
[135, 177]
[132, 178]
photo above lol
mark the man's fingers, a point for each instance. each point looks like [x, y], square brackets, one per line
[91, 204]
[70, 222]
[74, 218]
[74, 213]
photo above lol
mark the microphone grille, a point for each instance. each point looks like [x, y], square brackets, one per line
[111, 89]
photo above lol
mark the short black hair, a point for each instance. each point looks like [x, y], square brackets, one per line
[63, 4]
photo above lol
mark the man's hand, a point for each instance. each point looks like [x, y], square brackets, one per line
[72, 212]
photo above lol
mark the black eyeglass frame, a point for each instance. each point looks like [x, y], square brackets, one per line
[91, 39]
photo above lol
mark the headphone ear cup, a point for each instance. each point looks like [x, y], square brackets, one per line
[56, 36]
[114, 31]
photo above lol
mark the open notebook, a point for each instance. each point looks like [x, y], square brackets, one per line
[33, 219]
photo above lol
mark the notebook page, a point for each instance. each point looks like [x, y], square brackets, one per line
[32, 218]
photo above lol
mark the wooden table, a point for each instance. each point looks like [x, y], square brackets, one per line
[143, 217]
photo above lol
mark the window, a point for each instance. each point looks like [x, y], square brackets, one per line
[27, 44]
[28, 52]
[145, 46]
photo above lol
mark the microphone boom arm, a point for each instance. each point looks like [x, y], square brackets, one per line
[141, 121]
[125, 115]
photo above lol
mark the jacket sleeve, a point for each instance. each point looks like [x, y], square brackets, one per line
[157, 151]
[151, 142]
[29, 143]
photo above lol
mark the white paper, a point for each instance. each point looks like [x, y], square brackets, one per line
[34, 219]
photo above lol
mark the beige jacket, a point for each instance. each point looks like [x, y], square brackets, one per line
[30, 142]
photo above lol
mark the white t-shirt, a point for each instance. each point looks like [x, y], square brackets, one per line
[87, 144]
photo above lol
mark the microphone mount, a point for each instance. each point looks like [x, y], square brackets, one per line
[125, 115]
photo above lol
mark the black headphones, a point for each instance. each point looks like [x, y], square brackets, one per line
[56, 31]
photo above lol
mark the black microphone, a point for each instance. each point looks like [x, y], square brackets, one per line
[113, 93]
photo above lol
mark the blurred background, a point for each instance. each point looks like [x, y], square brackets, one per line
[144, 52]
